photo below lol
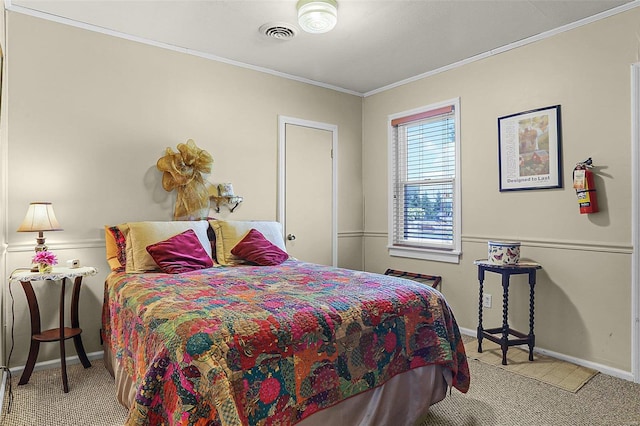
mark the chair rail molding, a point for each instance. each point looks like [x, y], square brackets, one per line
[59, 245]
[610, 247]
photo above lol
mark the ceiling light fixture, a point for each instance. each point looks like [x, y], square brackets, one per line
[317, 16]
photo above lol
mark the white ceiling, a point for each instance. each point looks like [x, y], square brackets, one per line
[375, 44]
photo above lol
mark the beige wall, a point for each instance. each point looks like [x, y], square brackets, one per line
[89, 116]
[583, 306]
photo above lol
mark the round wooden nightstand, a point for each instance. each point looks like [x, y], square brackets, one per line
[61, 333]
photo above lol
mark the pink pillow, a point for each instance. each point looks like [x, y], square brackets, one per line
[255, 248]
[180, 253]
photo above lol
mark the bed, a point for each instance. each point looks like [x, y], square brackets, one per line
[255, 342]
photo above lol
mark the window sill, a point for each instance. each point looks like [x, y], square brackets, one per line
[449, 256]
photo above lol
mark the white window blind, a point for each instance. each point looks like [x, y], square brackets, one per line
[424, 180]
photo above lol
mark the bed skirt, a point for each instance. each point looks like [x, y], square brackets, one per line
[403, 400]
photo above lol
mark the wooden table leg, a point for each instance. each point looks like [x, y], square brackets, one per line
[63, 357]
[34, 310]
[532, 337]
[505, 318]
[479, 334]
[75, 323]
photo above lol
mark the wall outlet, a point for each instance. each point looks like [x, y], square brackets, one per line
[486, 300]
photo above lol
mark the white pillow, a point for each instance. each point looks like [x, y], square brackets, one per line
[230, 232]
[142, 234]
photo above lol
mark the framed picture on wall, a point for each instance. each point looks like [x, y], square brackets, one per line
[529, 150]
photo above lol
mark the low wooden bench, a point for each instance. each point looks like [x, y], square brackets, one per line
[431, 280]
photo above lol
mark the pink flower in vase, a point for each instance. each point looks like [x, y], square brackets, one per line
[45, 257]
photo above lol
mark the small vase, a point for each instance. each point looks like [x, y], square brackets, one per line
[43, 268]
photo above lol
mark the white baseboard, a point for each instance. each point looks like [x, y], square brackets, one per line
[621, 374]
[3, 385]
[55, 363]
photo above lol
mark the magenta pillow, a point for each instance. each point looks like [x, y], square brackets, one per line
[255, 248]
[180, 253]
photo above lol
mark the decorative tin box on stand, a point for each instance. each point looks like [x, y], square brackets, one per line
[504, 252]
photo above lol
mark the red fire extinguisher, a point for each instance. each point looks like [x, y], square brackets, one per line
[585, 187]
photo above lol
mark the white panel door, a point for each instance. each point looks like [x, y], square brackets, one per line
[308, 193]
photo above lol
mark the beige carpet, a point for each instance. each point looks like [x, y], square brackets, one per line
[90, 401]
[496, 398]
[564, 375]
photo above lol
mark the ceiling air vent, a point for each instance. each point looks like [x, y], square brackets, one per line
[278, 30]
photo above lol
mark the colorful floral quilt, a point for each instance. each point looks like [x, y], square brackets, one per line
[265, 345]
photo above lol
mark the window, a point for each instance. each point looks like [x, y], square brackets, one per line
[424, 205]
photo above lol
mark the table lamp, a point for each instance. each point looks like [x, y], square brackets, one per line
[40, 217]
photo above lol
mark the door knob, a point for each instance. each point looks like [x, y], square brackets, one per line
[291, 237]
